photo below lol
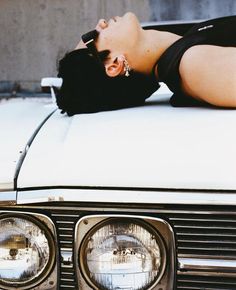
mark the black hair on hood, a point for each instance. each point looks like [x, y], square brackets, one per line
[86, 88]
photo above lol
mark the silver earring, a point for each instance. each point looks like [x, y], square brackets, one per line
[127, 68]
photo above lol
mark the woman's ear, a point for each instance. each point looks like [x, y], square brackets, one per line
[115, 67]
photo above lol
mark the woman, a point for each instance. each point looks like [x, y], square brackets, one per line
[119, 64]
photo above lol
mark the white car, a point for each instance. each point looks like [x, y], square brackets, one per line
[138, 198]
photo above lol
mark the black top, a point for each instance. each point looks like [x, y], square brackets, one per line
[220, 31]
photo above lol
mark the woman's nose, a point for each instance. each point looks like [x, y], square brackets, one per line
[102, 23]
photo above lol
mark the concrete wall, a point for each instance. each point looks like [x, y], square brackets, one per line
[36, 33]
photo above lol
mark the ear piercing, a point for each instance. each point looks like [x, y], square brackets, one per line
[127, 68]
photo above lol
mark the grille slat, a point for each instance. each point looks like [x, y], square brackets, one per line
[205, 231]
[203, 240]
[205, 227]
[205, 235]
[177, 219]
[205, 246]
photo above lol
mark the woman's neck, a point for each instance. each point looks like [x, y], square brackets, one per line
[152, 45]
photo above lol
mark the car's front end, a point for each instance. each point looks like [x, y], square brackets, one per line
[155, 240]
[140, 198]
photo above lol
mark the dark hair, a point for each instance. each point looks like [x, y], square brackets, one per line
[86, 88]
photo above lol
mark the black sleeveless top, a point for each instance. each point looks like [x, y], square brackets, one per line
[220, 31]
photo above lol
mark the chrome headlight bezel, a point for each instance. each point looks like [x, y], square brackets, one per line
[160, 228]
[43, 223]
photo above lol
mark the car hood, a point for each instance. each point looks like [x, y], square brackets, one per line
[153, 146]
[19, 119]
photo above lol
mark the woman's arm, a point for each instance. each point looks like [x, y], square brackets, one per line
[208, 73]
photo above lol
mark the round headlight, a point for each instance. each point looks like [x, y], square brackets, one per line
[26, 253]
[122, 254]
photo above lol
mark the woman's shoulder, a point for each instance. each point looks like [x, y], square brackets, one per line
[215, 32]
[191, 60]
[205, 55]
[208, 73]
[197, 59]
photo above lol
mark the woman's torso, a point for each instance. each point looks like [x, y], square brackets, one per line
[217, 32]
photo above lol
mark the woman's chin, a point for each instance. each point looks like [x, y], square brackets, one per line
[131, 19]
[130, 15]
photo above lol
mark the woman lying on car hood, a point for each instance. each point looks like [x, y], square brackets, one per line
[119, 64]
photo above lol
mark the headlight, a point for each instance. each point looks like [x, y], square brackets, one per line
[122, 254]
[25, 251]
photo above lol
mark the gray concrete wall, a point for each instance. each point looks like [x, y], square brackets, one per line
[36, 33]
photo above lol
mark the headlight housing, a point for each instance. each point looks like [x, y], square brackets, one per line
[121, 253]
[27, 254]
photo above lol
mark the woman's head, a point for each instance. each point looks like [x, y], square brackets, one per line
[119, 34]
[94, 76]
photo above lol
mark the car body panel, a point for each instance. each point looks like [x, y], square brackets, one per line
[152, 146]
[18, 121]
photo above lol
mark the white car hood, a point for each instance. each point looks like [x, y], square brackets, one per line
[154, 146]
[18, 121]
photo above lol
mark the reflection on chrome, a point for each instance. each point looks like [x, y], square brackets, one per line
[24, 250]
[123, 256]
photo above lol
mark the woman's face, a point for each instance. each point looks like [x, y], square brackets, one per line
[119, 34]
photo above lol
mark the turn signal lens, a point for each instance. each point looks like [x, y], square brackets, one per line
[122, 254]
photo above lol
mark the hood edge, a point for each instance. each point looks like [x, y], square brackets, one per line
[27, 146]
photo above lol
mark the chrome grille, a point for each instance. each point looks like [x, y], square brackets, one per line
[65, 223]
[205, 236]
[206, 232]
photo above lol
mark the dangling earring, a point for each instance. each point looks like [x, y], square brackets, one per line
[127, 68]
